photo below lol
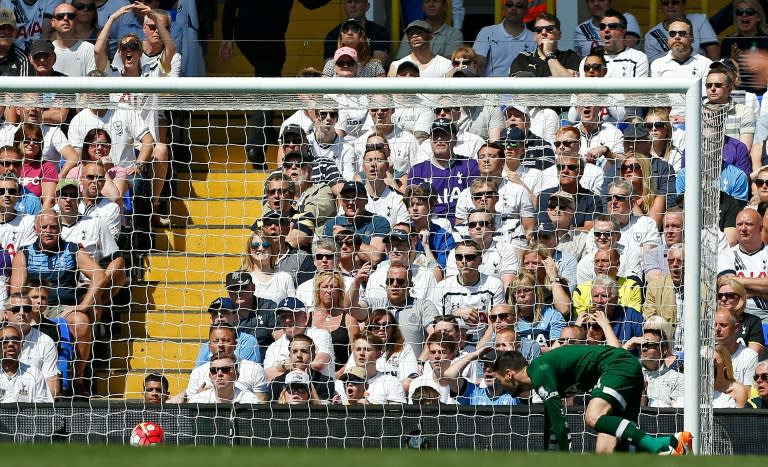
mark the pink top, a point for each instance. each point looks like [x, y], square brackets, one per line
[33, 174]
[118, 173]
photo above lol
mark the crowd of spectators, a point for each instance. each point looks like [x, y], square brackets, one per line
[395, 244]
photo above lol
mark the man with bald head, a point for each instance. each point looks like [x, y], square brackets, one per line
[747, 262]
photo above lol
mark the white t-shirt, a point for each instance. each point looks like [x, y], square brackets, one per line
[278, 350]
[78, 60]
[39, 351]
[53, 140]
[744, 364]
[696, 66]
[424, 282]
[390, 206]
[125, 127]
[498, 259]
[483, 295]
[533, 178]
[106, 210]
[27, 385]
[436, 68]
[467, 145]
[400, 365]
[340, 151]
[429, 381]
[403, 149]
[382, 389]
[91, 234]
[250, 378]
[208, 396]
[306, 291]
[514, 202]
[640, 230]
[277, 288]
[411, 119]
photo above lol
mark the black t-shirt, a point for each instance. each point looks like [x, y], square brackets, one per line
[260, 323]
[378, 37]
[751, 330]
[530, 61]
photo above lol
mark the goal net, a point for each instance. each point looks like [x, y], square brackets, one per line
[214, 198]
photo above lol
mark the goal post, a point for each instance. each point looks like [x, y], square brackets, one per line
[288, 94]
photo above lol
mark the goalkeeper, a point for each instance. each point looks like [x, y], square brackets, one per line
[615, 379]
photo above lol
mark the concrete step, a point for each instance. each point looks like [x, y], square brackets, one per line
[177, 297]
[221, 212]
[165, 354]
[187, 325]
[184, 269]
[195, 240]
[206, 185]
[217, 134]
[130, 384]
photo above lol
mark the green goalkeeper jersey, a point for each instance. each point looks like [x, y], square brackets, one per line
[608, 373]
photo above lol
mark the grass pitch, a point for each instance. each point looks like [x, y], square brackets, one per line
[117, 456]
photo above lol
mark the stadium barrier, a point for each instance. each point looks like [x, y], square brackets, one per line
[502, 428]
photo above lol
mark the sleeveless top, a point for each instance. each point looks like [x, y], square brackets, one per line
[340, 340]
[59, 268]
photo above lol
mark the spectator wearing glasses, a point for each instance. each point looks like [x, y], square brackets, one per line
[447, 172]
[558, 230]
[298, 390]
[401, 250]
[538, 146]
[38, 176]
[16, 230]
[324, 169]
[445, 38]
[568, 139]
[74, 56]
[412, 315]
[499, 255]
[13, 56]
[301, 352]
[224, 373]
[398, 358]
[664, 385]
[87, 20]
[402, 146]
[377, 35]
[606, 234]
[636, 231]
[93, 200]
[653, 183]
[680, 58]
[600, 140]
[290, 259]
[382, 388]
[419, 34]
[703, 40]
[499, 44]
[435, 240]
[761, 384]
[327, 144]
[570, 168]
[325, 252]
[467, 143]
[311, 197]
[622, 60]
[470, 293]
[259, 261]
[727, 330]
[749, 19]
[607, 262]
[536, 320]
[279, 192]
[352, 35]
[465, 58]
[528, 177]
[42, 58]
[595, 65]
[513, 214]
[22, 382]
[256, 315]
[667, 142]
[732, 297]
[502, 336]
[547, 60]
[740, 119]
[589, 34]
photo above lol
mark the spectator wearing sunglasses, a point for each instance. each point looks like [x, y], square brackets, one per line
[664, 385]
[740, 119]
[558, 229]
[732, 296]
[703, 40]
[569, 139]
[223, 373]
[315, 198]
[547, 60]
[680, 58]
[23, 382]
[761, 384]
[622, 61]
[570, 168]
[606, 234]
[74, 57]
[499, 44]
[588, 34]
[324, 170]
[445, 38]
[749, 19]
[260, 260]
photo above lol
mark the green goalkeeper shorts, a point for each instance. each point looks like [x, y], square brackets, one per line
[621, 385]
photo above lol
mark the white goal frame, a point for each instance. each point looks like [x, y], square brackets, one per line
[691, 88]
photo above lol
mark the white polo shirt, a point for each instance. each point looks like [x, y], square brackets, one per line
[250, 377]
[278, 350]
[27, 385]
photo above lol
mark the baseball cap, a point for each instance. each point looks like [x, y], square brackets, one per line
[65, 182]
[297, 377]
[520, 108]
[356, 188]
[222, 303]
[7, 17]
[238, 280]
[408, 65]
[463, 72]
[546, 229]
[274, 217]
[303, 157]
[489, 358]
[512, 134]
[41, 46]
[352, 22]
[354, 374]
[445, 125]
[290, 304]
[397, 234]
[564, 196]
[294, 129]
[634, 132]
[420, 24]
[342, 51]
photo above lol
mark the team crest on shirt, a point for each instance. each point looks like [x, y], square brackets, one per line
[117, 126]
[413, 319]
[637, 236]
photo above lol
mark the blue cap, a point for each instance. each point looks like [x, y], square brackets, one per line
[291, 304]
[222, 303]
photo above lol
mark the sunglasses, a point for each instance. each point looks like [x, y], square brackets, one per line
[592, 67]
[445, 110]
[511, 144]
[326, 114]
[475, 224]
[224, 369]
[297, 389]
[41, 56]
[18, 309]
[562, 207]
[655, 125]
[519, 6]
[380, 110]
[397, 281]
[678, 33]
[375, 147]
[727, 295]
[7, 163]
[151, 27]
[566, 142]
[292, 164]
[9, 191]
[257, 245]
[130, 46]
[62, 16]
[760, 182]
[670, 2]
[611, 26]
[347, 241]
[462, 62]
[323, 256]
[745, 11]
[714, 85]
[602, 234]
[619, 198]
[634, 167]
[84, 6]
[483, 194]
[539, 29]
[650, 345]
[500, 316]
[467, 257]
[345, 63]
[571, 167]
[757, 377]
[30, 142]
[98, 178]
[377, 325]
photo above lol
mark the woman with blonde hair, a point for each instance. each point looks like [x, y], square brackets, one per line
[537, 261]
[259, 261]
[749, 20]
[732, 297]
[728, 393]
[760, 186]
[666, 143]
[331, 313]
[535, 320]
[636, 169]
[352, 34]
